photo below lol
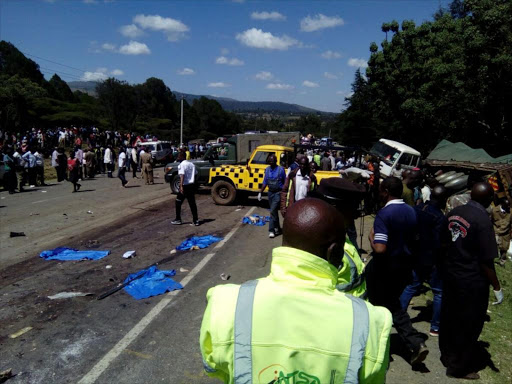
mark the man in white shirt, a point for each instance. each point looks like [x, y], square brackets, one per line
[187, 172]
[122, 167]
[108, 160]
[134, 161]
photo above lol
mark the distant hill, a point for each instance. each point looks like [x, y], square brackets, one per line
[228, 104]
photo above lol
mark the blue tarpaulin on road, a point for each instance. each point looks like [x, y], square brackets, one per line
[67, 254]
[258, 220]
[152, 283]
[198, 241]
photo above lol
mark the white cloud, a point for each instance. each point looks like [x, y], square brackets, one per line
[358, 63]
[108, 47]
[225, 60]
[186, 71]
[279, 86]
[131, 30]
[218, 85]
[310, 24]
[134, 48]
[275, 16]
[117, 72]
[310, 84]
[331, 55]
[265, 76]
[98, 75]
[174, 29]
[256, 38]
[329, 75]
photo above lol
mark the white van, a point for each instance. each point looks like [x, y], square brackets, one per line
[161, 151]
[393, 153]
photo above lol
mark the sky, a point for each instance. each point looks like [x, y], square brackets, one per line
[301, 52]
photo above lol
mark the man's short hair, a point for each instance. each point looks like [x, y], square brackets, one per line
[393, 185]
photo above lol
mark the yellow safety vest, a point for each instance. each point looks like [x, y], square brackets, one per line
[294, 326]
[351, 274]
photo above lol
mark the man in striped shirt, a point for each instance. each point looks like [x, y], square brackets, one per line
[390, 270]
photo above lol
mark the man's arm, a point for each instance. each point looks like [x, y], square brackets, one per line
[379, 236]
[490, 273]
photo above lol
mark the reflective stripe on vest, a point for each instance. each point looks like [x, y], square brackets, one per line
[243, 333]
[356, 279]
[360, 330]
[243, 336]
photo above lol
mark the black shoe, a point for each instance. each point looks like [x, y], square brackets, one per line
[78, 187]
[419, 355]
[176, 222]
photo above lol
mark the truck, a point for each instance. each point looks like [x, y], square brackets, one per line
[236, 150]
[230, 181]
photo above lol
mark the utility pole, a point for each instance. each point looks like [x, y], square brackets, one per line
[181, 129]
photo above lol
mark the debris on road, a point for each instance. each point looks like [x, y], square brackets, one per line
[224, 277]
[173, 251]
[67, 295]
[108, 267]
[183, 269]
[150, 282]
[257, 220]
[90, 212]
[198, 242]
[20, 332]
[92, 243]
[6, 375]
[44, 191]
[129, 254]
[17, 234]
[239, 208]
[67, 254]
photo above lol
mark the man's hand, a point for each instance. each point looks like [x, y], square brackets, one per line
[259, 196]
[499, 297]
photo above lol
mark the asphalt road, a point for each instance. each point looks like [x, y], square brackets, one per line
[120, 339]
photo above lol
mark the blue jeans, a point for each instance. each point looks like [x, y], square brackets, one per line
[413, 288]
[274, 199]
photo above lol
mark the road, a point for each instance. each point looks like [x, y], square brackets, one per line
[120, 339]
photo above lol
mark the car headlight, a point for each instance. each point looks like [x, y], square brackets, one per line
[168, 169]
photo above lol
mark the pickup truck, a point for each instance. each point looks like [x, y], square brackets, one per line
[229, 181]
[237, 150]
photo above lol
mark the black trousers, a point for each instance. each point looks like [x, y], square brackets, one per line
[384, 287]
[189, 194]
[120, 173]
[134, 168]
[463, 313]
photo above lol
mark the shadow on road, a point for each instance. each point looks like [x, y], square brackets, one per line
[86, 190]
[132, 186]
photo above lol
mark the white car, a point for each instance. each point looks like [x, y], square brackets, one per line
[161, 151]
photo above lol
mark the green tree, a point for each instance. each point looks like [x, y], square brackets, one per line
[60, 90]
[118, 102]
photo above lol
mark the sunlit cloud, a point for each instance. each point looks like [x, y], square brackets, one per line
[311, 24]
[331, 76]
[256, 38]
[131, 30]
[134, 48]
[227, 61]
[279, 86]
[172, 28]
[331, 55]
[310, 84]
[186, 72]
[218, 85]
[274, 16]
[357, 63]
[263, 75]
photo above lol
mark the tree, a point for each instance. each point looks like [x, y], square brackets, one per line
[60, 90]
[118, 102]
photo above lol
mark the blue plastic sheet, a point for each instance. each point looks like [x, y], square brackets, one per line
[198, 241]
[152, 283]
[260, 220]
[67, 254]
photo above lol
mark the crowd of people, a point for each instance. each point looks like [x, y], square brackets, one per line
[420, 235]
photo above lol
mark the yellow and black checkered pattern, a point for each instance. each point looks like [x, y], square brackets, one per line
[242, 178]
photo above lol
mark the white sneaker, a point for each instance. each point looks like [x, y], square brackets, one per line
[271, 235]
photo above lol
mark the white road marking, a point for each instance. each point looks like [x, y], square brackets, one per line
[104, 363]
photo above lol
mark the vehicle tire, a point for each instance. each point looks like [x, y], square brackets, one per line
[223, 193]
[175, 184]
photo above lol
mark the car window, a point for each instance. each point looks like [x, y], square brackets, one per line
[405, 159]
[415, 161]
[261, 157]
[159, 147]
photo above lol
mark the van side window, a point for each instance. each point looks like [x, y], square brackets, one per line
[415, 161]
[405, 159]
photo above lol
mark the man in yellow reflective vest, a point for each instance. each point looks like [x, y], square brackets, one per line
[294, 325]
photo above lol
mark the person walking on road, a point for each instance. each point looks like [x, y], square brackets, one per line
[147, 167]
[390, 270]
[73, 167]
[187, 172]
[274, 178]
[433, 234]
[294, 325]
[467, 272]
[122, 167]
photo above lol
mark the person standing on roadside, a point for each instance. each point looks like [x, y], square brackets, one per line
[62, 161]
[108, 159]
[19, 166]
[39, 168]
[134, 162]
[187, 172]
[79, 155]
[274, 178]
[147, 166]
[298, 183]
[9, 175]
[390, 269]
[55, 163]
[433, 234]
[467, 272]
[122, 167]
[73, 167]
[90, 160]
[502, 221]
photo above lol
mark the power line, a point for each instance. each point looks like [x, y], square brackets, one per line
[54, 62]
[60, 73]
[48, 72]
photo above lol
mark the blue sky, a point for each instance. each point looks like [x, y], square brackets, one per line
[303, 52]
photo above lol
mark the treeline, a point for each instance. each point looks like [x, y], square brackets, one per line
[446, 78]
